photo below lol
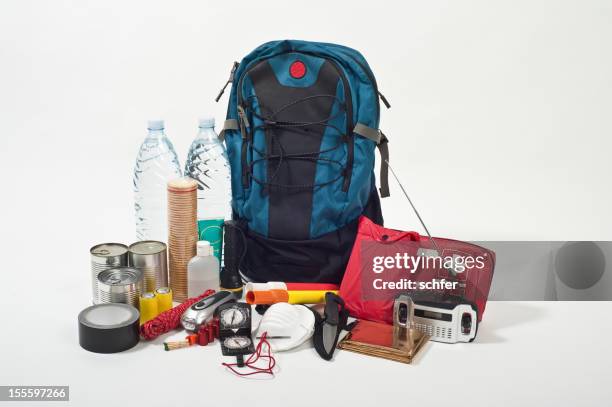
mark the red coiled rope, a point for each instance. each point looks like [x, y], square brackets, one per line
[255, 356]
[168, 320]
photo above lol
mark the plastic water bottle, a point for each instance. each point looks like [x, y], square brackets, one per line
[156, 164]
[207, 164]
[202, 271]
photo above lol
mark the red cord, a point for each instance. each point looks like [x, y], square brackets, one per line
[168, 320]
[255, 356]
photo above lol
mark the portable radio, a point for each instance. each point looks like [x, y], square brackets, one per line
[446, 322]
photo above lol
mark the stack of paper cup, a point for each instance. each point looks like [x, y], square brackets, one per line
[182, 232]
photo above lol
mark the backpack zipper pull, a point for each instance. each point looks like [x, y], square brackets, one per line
[384, 100]
[243, 122]
[231, 79]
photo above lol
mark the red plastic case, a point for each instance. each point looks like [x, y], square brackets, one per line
[364, 302]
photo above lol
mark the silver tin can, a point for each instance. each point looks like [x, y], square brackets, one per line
[103, 257]
[120, 285]
[150, 257]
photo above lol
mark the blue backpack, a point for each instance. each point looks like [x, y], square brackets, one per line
[301, 130]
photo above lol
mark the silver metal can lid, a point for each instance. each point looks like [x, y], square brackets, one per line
[120, 276]
[147, 247]
[163, 290]
[148, 294]
[108, 249]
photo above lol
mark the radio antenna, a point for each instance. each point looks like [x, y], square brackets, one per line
[431, 239]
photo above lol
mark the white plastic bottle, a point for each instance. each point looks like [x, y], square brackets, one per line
[207, 163]
[156, 164]
[202, 271]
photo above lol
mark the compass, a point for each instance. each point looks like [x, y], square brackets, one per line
[237, 342]
[233, 317]
[235, 330]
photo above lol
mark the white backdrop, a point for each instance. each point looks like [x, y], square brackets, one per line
[500, 126]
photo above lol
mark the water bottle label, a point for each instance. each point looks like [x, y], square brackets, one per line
[212, 231]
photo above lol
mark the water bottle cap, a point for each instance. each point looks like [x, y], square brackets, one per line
[204, 248]
[155, 124]
[206, 121]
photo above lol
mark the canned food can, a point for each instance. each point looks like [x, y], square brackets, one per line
[103, 257]
[150, 257]
[120, 285]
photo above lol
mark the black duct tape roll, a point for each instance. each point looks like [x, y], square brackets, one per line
[109, 328]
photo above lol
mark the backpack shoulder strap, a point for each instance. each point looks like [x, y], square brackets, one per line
[382, 142]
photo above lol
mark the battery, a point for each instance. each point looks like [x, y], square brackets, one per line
[103, 257]
[164, 299]
[120, 285]
[150, 257]
[148, 307]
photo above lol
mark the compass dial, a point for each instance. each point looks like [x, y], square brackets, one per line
[237, 342]
[232, 318]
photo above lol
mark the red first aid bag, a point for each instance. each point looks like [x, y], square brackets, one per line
[386, 262]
